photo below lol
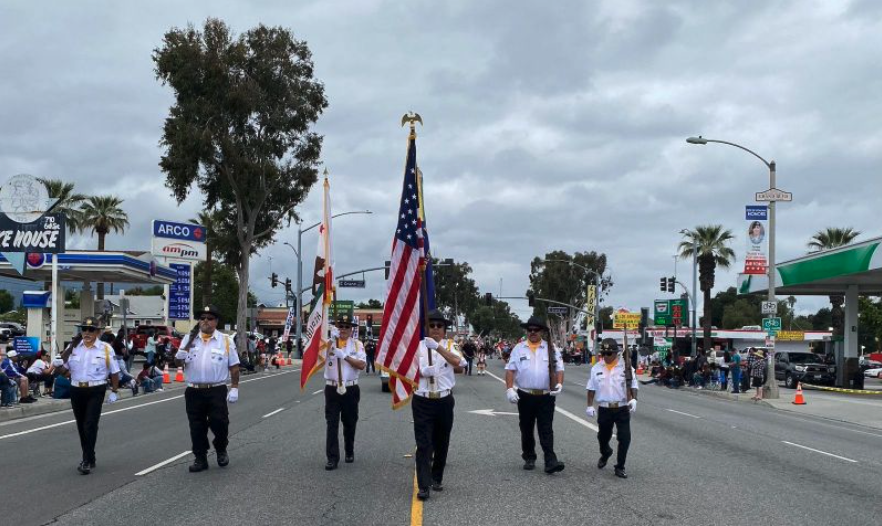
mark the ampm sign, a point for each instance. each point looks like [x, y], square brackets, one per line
[182, 231]
[756, 213]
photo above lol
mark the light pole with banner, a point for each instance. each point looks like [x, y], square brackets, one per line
[772, 196]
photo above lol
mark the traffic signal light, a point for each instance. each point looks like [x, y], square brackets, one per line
[488, 299]
[288, 285]
[672, 281]
[387, 265]
[531, 299]
[274, 279]
[663, 284]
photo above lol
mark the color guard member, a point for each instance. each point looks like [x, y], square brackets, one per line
[342, 395]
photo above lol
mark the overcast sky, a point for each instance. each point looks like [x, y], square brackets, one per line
[548, 125]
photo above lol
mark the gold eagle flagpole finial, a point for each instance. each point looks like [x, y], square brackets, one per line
[411, 118]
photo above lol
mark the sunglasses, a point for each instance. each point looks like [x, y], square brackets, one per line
[437, 326]
[88, 329]
[534, 329]
[607, 353]
[207, 318]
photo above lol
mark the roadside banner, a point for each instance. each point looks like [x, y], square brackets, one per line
[756, 260]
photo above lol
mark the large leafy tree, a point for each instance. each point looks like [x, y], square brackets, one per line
[209, 220]
[103, 214]
[455, 291]
[826, 239]
[711, 245]
[224, 291]
[241, 130]
[559, 276]
[496, 320]
[68, 201]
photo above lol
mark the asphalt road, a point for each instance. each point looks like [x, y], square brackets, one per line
[694, 460]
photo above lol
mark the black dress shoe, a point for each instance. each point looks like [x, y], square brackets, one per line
[529, 465]
[349, 458]
[222, 459]
[554, 468]
[602, 462]
[330, 466]
[423, 494]
[620, 472]
[199, 464]
[437, 485]
[84, 468]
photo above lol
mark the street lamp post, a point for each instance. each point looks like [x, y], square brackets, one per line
[771, 390]
[299, 252]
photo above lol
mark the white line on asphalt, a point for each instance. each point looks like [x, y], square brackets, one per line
[163, 463]
[279, 410]
[564, 412]
[58, 424]
[682, 413]
[819, 451]
[319, 391]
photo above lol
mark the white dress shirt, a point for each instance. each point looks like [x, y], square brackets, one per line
[91, 364]
[210, 358]
[354, 348]
[531, 368]
[609, 384]
[445, 378]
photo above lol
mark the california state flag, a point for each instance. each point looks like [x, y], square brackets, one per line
[317, 328]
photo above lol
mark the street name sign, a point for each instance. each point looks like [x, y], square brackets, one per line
[351, 283]
[560, 310]
[774, 194]
[770, 307]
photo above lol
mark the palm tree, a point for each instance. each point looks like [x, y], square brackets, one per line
[710, 244]
[68, 201]
[101, 214]
[826, 239]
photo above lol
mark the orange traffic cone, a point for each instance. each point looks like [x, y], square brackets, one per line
[639, 369]
[281, 360]
[798, 399]
[179, 377]
[290, 362]
[166, 379]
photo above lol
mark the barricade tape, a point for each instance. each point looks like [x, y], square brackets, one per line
[841, 390]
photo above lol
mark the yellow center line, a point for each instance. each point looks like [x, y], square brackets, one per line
[416, 505]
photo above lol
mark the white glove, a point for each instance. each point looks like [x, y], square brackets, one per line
[512, 395]
[182, 355]
[430, 343]
[556, 391]
[233, 395]
[113, 398]
[58, 362]
[428, 370]
[632, 405]
[590, 411]
[335, 332]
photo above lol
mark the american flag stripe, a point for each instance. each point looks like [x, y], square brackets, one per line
[405, 290]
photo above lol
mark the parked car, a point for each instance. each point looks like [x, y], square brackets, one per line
[139, 336]
[10, 329]
[865, 363]
[873, 372]
[807, 367]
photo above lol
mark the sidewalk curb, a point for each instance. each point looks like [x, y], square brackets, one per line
[47, 405]
[726, 395]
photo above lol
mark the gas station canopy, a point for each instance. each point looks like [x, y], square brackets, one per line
[93, 266]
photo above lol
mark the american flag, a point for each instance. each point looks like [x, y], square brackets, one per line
[401, 332]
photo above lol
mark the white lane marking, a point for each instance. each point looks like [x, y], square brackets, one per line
[319, 391]
[163, 463]
[279, 410]
[682, 413]
[490, 412]
[50, 426]
[819, 451]
[564, 412]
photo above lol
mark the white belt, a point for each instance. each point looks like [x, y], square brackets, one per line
[433, 394]
[205, 385]
[612, 405]
[347, 384]
[89, 384]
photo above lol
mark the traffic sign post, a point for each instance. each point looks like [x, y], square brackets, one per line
[770, 307]
[772, 325]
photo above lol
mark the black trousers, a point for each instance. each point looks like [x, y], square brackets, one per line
[370, 364]
[207, 409]
[432, 422]
[536, 411]
[86, 403]
[340, 407]
[469, 365]
[46, 378]
[621, 418]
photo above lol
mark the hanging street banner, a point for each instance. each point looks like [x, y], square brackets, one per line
[183, 241]
[289, 321]
[756, 260]
[45, 235]
[590, 303]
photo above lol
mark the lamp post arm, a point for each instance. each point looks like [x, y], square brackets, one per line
[748, 150]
